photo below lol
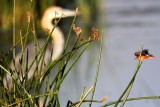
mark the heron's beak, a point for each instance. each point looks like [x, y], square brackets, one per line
[67, 13]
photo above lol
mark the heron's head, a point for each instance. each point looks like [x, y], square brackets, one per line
[53, 13]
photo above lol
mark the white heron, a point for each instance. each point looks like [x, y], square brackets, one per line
[57, 39]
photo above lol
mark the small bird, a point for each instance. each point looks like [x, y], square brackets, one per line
[144, 54]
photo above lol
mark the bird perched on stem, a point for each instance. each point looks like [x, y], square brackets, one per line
[144, 54]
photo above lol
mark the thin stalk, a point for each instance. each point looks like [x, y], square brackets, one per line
[10, 50]
[69, 69]
[127, 94]
[69, 34]
[22, 45]
[61, 71]
[44, 46]
[57, 101]
[131, 81]
[72, 65]
[85, 96]
[47, 89]
[42, 50]
[38, 57]
[17, 82]
[83, 93]
[61, 57]
[28, 25]
[26, 99]
[132, 99]
[14, 36]
[63, 65]
[75, 103]
[97, 71]
[65, 47]
[14, 28]
[34, 34]
[139, 63]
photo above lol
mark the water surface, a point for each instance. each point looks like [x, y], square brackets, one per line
[126, 25]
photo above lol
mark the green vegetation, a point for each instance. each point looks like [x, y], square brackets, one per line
[26, 91]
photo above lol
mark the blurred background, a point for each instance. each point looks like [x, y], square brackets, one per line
[126, 24]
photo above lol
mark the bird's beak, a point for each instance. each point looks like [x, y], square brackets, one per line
[151, 56]
[67, 13]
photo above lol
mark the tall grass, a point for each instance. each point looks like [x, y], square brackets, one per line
[19, 90]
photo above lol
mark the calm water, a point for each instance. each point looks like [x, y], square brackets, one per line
[126, 25]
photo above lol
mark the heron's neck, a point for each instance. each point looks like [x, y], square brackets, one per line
[58, 43]
[57, 35]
